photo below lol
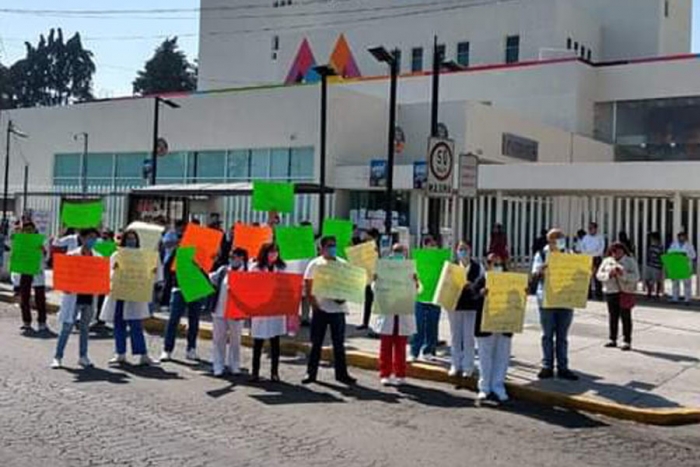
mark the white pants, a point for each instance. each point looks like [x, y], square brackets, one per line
[687, 289]
[494, 356]
[462, 330]
[226, 330]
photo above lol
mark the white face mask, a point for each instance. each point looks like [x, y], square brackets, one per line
[561, 244]
[498, 269]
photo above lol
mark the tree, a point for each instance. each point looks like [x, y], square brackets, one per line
[53, 73]
[6, 88]
[167, 71]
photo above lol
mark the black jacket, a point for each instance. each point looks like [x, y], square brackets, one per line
[471, 298]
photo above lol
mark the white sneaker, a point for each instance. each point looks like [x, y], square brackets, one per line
[218, 372]
[481, 397]
[56, 364]
[145, 360]
[117, 359]
[411, 359]
[467, 374]
[166, 356]
[400, 380]
[191, 355]
[85, 362]
[453, 371]
[385, 381]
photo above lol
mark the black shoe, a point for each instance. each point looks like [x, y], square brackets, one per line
[254, 379]
[305, 323]
[275, 378]
[362, 327]
[567, 375]
[26, 328]
[545, 373]
[308, 380]
[610, 345]
[347, 379]
[626, 347]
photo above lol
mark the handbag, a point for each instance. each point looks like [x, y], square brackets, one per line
[627, 300]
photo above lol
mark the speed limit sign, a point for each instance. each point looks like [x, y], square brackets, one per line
[441, 163]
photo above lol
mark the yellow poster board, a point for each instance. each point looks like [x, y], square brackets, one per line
[149, 234]
[452, 280]
[340, 281]
[567, 281]
[504, 308]
[133, 278]
[395, 288]
[364, 256]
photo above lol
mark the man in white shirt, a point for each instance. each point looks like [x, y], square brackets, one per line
[593, 245]
[326, 312]
[683, 246]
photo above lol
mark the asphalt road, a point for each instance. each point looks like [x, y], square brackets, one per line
[178, 415]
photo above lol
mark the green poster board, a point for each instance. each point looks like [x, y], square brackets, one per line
[26, 253]
[194, 284]
[277, 197]
[429, 263]
[296, 242]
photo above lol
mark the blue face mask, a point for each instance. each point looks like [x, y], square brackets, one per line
[235, 263]
[462, 254]
[131, 243]
[90, 243]
[332, 251]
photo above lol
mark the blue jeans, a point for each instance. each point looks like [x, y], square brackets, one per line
[85, 312]
[426, 336]
[138, 341]
[555, 324]
[177, 309]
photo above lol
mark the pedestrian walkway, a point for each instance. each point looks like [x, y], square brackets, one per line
[662, 371]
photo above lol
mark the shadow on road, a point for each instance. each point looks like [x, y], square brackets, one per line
[94, 374]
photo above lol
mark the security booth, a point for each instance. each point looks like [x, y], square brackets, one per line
[231, 201]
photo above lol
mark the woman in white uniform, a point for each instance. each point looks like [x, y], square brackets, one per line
[268, 327]
[227, 330]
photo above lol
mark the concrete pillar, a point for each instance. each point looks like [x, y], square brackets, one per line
[499, 207]
[677, 213]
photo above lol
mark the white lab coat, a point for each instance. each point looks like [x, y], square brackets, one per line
[132, 310]
[67, 311]
[267, 327]
[384, 324]
[226, 331]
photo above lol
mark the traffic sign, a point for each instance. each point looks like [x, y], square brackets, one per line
[441, 163]
[468, 175]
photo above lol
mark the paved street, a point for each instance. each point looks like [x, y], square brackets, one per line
[178, 415]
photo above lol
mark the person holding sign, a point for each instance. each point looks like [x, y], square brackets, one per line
[682, 246]
[619, 274]
[326, 313]
[124, 313]
[77, 306]
[463, 319]
[29, 281]
[394, 330]
[555, 322]
[226, 330]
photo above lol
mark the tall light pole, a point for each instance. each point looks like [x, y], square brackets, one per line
[11, 130]
[83, 161]
[324, 71]
[391, 59]
[154, 151]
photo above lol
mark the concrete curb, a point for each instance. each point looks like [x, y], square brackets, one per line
[367, 361]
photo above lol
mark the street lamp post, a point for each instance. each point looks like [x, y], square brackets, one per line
[83, 161]
[391, 59]
[154, 151]
[324, 72]
[11, 130]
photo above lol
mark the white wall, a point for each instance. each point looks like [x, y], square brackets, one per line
[676, 30]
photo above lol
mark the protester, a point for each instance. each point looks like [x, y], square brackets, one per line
[69, 241]
[623, 238]
[124, 313]
[38, 282]
[106, 236]
[326, 313]
[169, 243]
[539, 243]
[498, 244]
[653, 271]
[683, 246]
[372, 237]
[425, 340]
[462, 321]
[268, 327]
[593, 245]
[394, 331]
[619, 274]
[494, 348]
[555, 322]
[74, 307]
[225, 329]
[177, 308]
[580, 235]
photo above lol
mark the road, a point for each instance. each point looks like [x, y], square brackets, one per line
[178, 415]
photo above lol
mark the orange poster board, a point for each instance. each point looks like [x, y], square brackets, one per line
[207, 243]
[263, 294]
[81, 274]
[251, 238]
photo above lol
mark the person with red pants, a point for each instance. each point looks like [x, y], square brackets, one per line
[394, 331]
[38, 282]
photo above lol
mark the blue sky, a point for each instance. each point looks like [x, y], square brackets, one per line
[118, 59]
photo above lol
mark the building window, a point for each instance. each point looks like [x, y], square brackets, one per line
[301, 164]
[238, 165]
[512, 49]
[463, 54]
[172, 168]
[397, 55]
[417, 59]
[279, 164]
[569, 42]
[589, 55]
[66, 169]
[259, 163]
[667, 9]
[441, 52]
[583, 52]
[129, 169]
[207, 166]
[576, 46]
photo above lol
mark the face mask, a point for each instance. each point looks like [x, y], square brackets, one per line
[332, 251]
[397, 256]
[235, 263]
[90, 243]
[272, 257]
[463, 254]
[561, 244]
[131, 243]
[498, 268]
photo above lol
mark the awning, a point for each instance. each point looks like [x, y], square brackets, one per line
[218, 189]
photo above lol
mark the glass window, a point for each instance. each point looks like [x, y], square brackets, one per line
[99, 169]
[441, 52]
[569, 42]
[589, 55]
[279, 164]
[302, 164]
[171, 168]
[131, 165]
[259, 163]
[397, 54]
[208, 166]
[463, 53]
[417, 59]
[239, 165]
[66, 165]
[512, 49]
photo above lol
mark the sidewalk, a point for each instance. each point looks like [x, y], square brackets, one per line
[658, 382]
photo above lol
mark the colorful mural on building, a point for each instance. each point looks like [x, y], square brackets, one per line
[341, 59]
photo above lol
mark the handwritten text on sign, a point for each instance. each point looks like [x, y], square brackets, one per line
[504, 309]
[567, 281]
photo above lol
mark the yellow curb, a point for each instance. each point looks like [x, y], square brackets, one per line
[367, 361]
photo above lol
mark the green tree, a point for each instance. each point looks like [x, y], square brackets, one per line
[167, 71]
[6, 88]
[55, 72]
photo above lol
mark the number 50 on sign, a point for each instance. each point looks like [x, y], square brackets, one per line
[440, 167]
